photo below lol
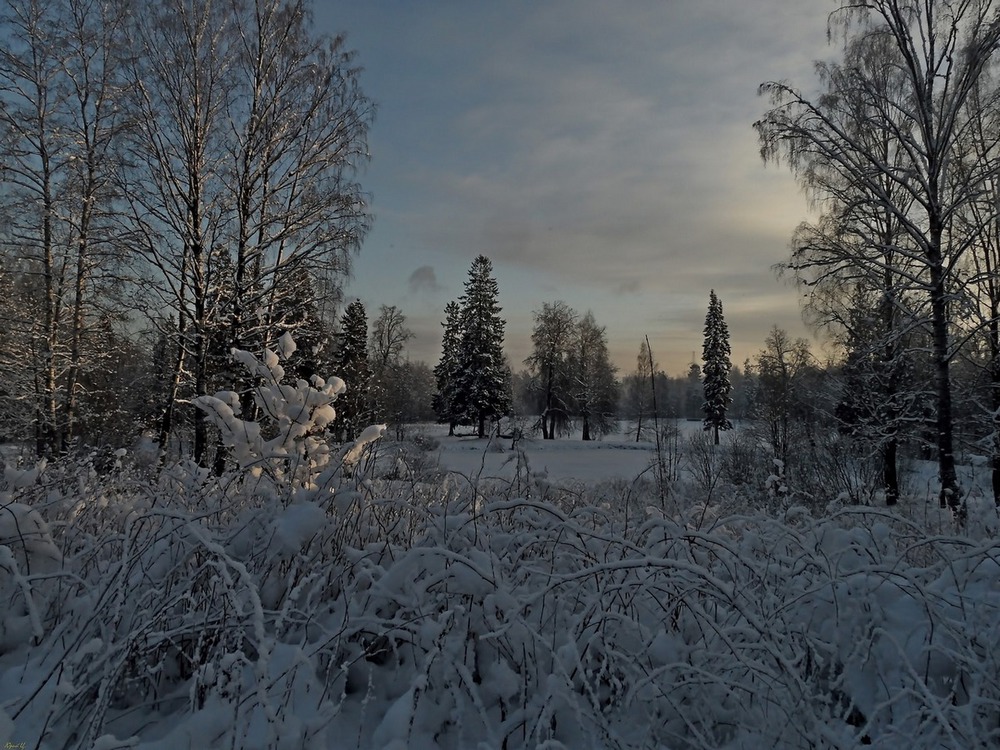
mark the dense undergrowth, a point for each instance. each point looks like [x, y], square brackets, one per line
[304, 600]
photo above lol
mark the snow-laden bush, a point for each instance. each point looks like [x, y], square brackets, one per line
[294, 453]
[287, 605]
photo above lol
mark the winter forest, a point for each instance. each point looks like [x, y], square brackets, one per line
[234, 513]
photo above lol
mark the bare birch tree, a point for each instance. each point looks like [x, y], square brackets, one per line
[939, 51]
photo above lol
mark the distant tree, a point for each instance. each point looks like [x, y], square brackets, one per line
[523, 394]
[593, 385]
[416, 394]
[637, 392]
[351, 364]
[385, 353]
[482, 380]
[446, 370]
[782, 370]
[741, 379]
[715, 374]
[551, 365]
[693, 392]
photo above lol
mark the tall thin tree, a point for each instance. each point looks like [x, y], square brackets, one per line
[446, 370]
[352, 366]
[715, 373]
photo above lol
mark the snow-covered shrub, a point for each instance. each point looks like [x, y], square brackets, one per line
[837, 468]
[286, 605]
[742, 460]
[290, 448]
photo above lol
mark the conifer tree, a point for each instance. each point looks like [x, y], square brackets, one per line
[352, 366]
[715, 375]
[446, 371]
[296, 312]
[482, 380]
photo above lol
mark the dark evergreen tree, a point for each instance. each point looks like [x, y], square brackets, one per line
[296, 312]
[482, 381]
[715, 374]
[352, 366]
[446, 371]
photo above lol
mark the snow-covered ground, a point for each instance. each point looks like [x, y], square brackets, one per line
[616, 456]
[509, 600]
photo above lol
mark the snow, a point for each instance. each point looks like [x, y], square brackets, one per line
[465, 593]
[616, 456]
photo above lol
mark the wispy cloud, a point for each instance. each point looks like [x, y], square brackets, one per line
[582, 145]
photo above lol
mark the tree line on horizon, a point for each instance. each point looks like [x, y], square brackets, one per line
[181, 179]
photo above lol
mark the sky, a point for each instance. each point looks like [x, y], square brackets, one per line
[602, 154]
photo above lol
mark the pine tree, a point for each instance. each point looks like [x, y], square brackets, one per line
[446, 371]
[715, 374]
[352, 366]
[482, 381]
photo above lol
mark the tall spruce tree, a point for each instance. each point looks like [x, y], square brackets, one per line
[715, 374]
[482, 380]
[352, 365]
[446, 370]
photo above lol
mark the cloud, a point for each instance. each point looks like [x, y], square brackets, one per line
[606, 146]
[599, 153]
[424, 280]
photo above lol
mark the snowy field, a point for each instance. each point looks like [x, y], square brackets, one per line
[616, 456]
[455, 594]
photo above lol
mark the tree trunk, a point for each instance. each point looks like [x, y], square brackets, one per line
[994, 334]
[167, 417]
[73, 373]
[78, 322]
[890, 478]
[219, 463]
[950, 495]
[49, 431]
[586, 427]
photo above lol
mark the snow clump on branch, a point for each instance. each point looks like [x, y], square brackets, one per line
[299, 414]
